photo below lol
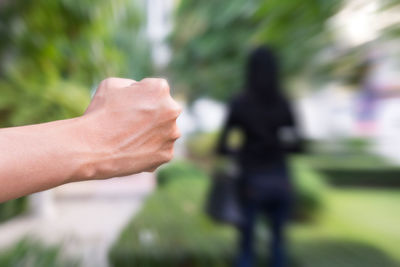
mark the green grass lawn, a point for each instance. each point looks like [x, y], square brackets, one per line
[369, 215]
[350, 228]
[357, 225]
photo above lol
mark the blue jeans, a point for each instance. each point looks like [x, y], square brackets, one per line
[264, 192]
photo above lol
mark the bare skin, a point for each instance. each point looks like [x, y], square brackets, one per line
[129, 127]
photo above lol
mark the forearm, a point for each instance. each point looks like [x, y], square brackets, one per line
[129, 127]
[42, 156]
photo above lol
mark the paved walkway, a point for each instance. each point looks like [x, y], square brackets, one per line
[85, 217]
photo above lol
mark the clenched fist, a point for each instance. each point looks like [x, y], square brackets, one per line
[129, 127]
[132, 126]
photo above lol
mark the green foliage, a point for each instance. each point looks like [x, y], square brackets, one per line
[310, 190]
[12, 208]
[345, 253]
[53, 52]
[211, 40]
[201, 146]
[178, 170]
[172, 229]
[209, 44]
[368, 215]
[385, 178]
[30, 253]
[347, 161]
[353, 167]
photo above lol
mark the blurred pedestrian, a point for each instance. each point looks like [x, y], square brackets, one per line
[262, 114]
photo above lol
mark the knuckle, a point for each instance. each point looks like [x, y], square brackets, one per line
[145, 80]
[157, 83]
[176, 134]
[163, 84]
[168, 155]
[172, 114]
[103, 83]
[149, 80]
[107, 81]
[177, 110]
[174, 110]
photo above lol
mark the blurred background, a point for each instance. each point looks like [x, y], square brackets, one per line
[340, 67]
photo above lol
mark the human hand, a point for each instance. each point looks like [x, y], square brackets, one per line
[130, 127]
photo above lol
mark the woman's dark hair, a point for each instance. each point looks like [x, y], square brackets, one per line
[260, 111]
[262, 75]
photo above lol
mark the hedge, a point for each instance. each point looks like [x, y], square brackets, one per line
[12, 208]
[355, 170]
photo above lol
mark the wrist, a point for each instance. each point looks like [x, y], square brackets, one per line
[85, 158]
[95, 160]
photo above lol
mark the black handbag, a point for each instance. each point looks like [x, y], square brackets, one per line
[223, 203]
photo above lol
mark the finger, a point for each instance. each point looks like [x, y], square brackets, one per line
[121, 82]
[176, 106]
[151, 169]
[114, 82]
[157, 83]
[176, 133]
[173, 107]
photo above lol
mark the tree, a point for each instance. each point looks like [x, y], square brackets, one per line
[53, 52]
[212, 38]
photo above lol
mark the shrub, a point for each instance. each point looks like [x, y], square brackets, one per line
[12, 208]
[355, 170]
[310, 189]
[172, 229]
[178, 170]
[29, 253]
[201, 146]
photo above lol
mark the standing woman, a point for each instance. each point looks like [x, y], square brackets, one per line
[260, 112]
